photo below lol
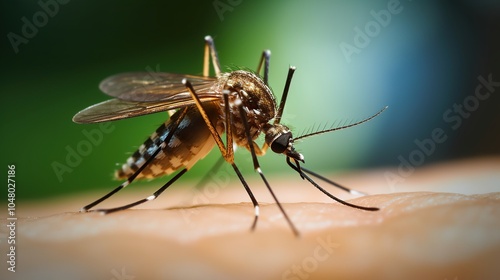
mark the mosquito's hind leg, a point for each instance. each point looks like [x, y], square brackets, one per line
[126, 183]
[149, 198]
[130, 179]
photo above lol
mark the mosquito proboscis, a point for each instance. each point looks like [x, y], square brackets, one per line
[239, 104]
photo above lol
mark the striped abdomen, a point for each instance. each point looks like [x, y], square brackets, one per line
[190, 142]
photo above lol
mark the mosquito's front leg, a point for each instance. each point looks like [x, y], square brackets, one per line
[298, 169]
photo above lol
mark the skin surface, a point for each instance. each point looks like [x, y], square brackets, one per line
[440, 222]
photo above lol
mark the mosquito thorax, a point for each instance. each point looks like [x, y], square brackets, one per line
[255, 95]
[256, 98]
[280, 139]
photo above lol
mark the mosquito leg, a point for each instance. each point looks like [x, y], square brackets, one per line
[126, 183]
[250, 194]
[226, 150]
[243, 115]
[281, 108]
[210, 52]
[171, 112]
[149, 198]
[277, 118]
[325, 192]
[141, 168]
[264, 59]
[351, 191]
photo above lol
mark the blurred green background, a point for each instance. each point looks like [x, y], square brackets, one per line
[351, 57]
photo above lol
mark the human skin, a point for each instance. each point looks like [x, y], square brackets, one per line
[441, 222]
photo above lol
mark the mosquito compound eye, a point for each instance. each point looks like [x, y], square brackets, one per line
[280, 144]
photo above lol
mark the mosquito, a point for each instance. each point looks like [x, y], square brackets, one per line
[239, 104]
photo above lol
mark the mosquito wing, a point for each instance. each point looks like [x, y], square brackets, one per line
[142, 93]
[116, 109]
[154, 86]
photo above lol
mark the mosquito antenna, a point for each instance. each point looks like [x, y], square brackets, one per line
[302, 174]
[340, 127]
[289, 77]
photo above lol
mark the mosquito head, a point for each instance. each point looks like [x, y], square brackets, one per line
[280, 139]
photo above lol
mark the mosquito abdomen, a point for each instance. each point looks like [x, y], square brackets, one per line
[190, 142]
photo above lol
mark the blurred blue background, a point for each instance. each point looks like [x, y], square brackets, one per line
[352, 58]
